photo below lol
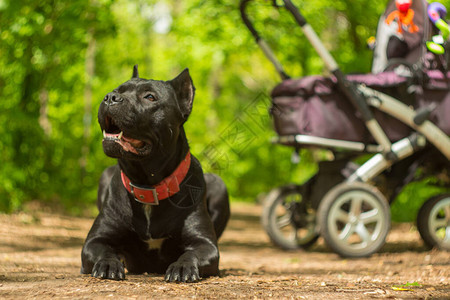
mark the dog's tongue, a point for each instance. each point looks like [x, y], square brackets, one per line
[135, 143]
[128, 144]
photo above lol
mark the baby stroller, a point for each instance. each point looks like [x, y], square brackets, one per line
[399, 113]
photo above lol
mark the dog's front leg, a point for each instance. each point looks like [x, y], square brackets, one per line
[192, 265]
[101, 261]
[99, 258]
[201, 254]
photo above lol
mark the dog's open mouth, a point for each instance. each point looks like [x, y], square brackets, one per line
[113, 133]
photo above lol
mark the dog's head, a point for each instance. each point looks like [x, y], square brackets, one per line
[141, 115]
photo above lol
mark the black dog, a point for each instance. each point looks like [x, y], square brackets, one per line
[158, 212]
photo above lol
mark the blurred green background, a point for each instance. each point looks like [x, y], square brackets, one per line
[59, 58]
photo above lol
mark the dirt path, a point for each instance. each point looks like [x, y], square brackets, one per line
[40, 258]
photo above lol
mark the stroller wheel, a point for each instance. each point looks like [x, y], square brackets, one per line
[288, 219]
[354, 219]
[433, 222]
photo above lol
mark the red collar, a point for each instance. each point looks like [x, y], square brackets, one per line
[169, 186]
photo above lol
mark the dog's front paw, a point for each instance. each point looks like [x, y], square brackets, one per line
[182, 272]
[109, 268]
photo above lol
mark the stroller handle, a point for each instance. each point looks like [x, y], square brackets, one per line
[246, 19]
[307, 29]
[260, 42]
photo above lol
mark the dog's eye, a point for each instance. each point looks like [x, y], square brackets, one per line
[149, 97]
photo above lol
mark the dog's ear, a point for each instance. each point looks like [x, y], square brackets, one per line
[185, 90]
[135, 72]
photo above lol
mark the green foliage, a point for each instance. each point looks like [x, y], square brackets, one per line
[407, 205]
[42, 57]
[50, 141]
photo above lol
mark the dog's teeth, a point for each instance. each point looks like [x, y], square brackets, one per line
[120, 135]
[104, 133]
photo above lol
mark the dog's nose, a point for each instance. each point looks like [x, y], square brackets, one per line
[112, 98]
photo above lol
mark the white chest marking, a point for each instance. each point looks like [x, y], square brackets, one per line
[154, 244]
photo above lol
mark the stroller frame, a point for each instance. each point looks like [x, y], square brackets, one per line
[362, 98]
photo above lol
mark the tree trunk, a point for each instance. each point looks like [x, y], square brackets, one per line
[87, 118]
[43, 112]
